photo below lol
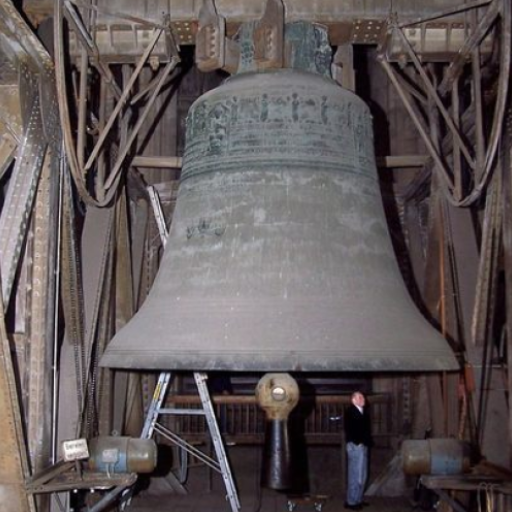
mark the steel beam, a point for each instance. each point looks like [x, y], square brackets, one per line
[40, 319]
[14, 467]
[20, 194]
[238, 11]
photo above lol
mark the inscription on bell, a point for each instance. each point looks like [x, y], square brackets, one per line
[297, 125]
[206, 227]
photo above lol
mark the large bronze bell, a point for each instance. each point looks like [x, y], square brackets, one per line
[279, 257]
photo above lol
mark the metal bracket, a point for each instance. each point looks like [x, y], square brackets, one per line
[269, 36]
[213, 49]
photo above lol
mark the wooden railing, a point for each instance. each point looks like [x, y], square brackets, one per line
[319, 419]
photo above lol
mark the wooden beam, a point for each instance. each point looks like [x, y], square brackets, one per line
[158, 162]
[398, 161]
[175, 162]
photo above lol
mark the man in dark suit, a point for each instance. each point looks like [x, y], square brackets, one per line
[358, 439]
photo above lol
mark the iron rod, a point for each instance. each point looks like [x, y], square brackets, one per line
[120, 159]
[431, 89]
[500, 107]
[82, 107]
[101, 123]
[122, 100]
[64, 112]
[181, 443]
[457, 164]
[424, 135]
[149, 87]
[447, 12]
[78, 26]
[411, 90]
[502, 85]
[55, 355]
[474, 39]
[88, 42]
[477, 98]
[108, 498]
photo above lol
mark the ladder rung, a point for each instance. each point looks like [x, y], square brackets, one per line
[192, 412]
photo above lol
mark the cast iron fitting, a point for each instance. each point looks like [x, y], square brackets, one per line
[277, 394]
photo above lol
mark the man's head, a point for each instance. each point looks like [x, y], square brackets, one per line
[358, 399]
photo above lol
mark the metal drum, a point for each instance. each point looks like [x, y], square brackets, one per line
[122, 455]
[435, 457]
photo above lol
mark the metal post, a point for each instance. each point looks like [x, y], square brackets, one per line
[159, 214]
[156, 404]
[213, 426]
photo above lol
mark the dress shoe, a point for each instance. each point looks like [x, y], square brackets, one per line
[353, 507]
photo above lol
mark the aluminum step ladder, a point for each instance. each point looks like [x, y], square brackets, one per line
[152, 426]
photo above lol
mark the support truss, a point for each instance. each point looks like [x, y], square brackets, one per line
[466, 158]
[92, 135]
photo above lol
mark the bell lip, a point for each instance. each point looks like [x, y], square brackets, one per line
[285, 362]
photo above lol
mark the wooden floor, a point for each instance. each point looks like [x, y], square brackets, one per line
[269, 502]
[206, 492]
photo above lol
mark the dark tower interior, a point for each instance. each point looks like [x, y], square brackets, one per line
[221, 218]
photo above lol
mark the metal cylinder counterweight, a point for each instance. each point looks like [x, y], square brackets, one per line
[122, 454]
[279, 257]
[435, 456]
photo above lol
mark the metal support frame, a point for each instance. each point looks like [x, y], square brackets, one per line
[114, 175]
[70, 476]
[481, 159]
[452, 502]
[80, 163]
[26, 222]
[491, 493]
[73, 18]
[14, 220]
[123, 98]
